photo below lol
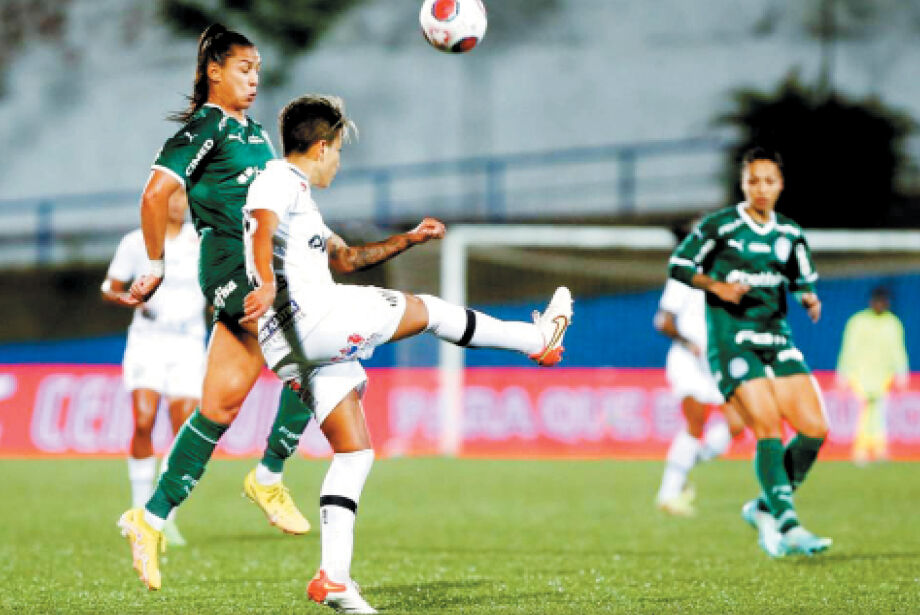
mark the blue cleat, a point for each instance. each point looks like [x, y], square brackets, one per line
[799, 541]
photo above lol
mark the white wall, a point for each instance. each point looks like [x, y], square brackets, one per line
[88, 117]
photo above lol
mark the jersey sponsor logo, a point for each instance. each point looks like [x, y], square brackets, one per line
[790, 354]
[736, 244]
[759, 248]
[255, 139]
[760, 338]
[222, 292]
[391, 297]
[232, 137]
[766, 279]
[282, 319]
[205, 148]
[782, 248]
[737, 368]
[190, 136]
[316, 242]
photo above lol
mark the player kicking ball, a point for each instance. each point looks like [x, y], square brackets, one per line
[313, 331]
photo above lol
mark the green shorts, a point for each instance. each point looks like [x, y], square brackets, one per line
[222, 277]
[733, 363]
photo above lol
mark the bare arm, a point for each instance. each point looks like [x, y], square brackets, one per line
[348, 259]
[262, 297]
[666, 324]
[154, 213]
[116, 292]
[732, 292]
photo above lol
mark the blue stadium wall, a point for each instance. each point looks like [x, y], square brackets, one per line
[613, 331]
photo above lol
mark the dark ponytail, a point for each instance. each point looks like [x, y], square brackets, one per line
[214, 45]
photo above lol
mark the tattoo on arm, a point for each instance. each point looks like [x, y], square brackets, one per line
[347, 259]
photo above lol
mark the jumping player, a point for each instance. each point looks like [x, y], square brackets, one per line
[164, 355]
[313, 331]
[745, 257]
[214, 156]
[682, 318]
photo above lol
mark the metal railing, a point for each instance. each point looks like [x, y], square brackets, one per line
[572, 183]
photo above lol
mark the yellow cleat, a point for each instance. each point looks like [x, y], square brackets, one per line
[146, 546]
[277, 504]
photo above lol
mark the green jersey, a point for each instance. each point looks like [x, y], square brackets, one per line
[215, 157]
[749, 339]
[729, 246]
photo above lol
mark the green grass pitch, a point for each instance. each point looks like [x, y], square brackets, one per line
[468, 536]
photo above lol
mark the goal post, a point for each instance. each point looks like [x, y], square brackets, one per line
[460, 239]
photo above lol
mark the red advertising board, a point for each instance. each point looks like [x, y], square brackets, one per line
[597, 412]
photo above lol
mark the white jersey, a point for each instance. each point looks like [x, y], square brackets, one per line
[688, 305]
[300, 261]
[177, 308]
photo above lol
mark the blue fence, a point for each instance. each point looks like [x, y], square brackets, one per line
[614, 331]
[567, 183]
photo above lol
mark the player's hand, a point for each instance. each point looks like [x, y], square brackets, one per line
[730, 292]
[812, 304]
[429, 228]
[257, 303]
[144, 287]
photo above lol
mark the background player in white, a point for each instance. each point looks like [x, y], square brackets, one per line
[312, 330]
[682, 317]
[164, 355]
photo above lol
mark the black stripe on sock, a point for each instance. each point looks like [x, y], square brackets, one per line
[338, 500]
[470, 328]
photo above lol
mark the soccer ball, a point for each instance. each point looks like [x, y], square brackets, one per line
[454, 26]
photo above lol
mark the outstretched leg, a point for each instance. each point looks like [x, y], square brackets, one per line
[540, 340]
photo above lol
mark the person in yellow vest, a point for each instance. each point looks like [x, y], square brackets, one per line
[872, 359]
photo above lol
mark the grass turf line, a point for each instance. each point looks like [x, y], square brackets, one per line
[467, 536]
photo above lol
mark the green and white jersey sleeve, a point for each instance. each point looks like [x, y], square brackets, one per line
[215, 157]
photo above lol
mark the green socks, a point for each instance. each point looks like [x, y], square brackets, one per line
[774, 482]
[800, 455]
[290, 422]
[193, 446]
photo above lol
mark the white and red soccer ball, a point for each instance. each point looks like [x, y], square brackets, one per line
[454, 26]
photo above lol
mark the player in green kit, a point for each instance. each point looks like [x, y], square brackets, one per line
[215, 156]
[745, 258]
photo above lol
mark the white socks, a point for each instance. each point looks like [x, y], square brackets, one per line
[266, 477]
[141, 473]
[466, 327]
[681, 458]
[716, 441]
[686, 451]
[338, 506]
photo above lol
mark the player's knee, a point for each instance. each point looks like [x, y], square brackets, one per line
[143, 428]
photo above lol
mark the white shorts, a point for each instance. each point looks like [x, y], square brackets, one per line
[170, 365]
[689, 376]
[325, 386]
[363, 317]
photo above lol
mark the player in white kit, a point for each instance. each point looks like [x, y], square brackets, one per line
[164, 355]
[682, 317]
[313, 331]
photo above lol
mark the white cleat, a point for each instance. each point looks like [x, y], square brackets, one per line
[552, 323]
[343, 597]
[799, 541]
[768, 535]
